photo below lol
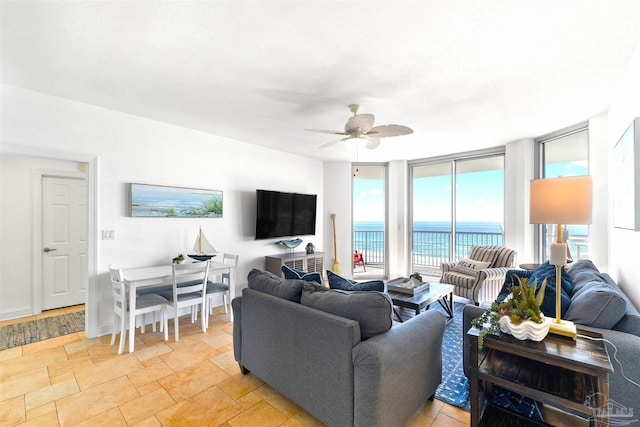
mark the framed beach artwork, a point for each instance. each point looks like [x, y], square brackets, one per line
[174, 202]
[626, 161]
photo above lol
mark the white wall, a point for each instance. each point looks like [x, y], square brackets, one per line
[624, 244]
[337, 200]
[134, 149]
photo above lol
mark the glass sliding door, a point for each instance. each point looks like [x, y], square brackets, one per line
[369, 220]
[566, 153]
[455, 204]
[479, 208]
[431, 211]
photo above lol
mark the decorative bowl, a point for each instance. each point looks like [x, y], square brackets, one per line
[525, 330]
[291, 244]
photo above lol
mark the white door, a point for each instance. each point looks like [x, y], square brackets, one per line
[64, 242]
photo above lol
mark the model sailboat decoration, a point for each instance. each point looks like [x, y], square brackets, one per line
[203, 249]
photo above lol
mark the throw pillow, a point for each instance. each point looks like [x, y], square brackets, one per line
[338, 282]
[269, 283]
[548, 271]
[481, 253]
[470, 267]
[597, 305]
[372, 310]
[292, 273]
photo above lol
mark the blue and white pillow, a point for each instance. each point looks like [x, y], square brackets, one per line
[292, 273]
[339, 282]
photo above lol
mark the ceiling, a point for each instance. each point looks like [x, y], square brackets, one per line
[463, 74]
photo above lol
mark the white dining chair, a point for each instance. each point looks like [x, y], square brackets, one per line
[188, 290]
[223, 286]
[145, 303]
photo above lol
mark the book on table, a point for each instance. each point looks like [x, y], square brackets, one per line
[407, 286]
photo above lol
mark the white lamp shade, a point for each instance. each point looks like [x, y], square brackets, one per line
[565, 200]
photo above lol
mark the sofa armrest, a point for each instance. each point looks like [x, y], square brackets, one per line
[469, 312]
[446, 266]
[404, 361]
[236, 307]
[491, 280]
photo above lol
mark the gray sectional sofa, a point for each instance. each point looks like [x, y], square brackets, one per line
[337, 354]
[596, 303]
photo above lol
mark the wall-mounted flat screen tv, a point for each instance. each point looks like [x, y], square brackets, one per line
[280, 214]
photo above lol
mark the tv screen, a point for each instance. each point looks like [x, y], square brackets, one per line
[280, 214]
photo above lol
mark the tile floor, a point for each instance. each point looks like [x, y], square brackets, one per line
[72, 380]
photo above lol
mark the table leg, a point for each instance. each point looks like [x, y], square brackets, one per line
[447, 305]
[397, 314]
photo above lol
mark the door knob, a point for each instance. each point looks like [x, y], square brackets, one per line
[49, 250]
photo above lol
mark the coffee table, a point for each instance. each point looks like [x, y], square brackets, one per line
[440, 292]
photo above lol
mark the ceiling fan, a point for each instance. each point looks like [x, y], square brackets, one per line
[361, 126]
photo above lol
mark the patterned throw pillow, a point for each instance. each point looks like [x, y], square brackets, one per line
[470, 267]
[292, 273]
[339, 282]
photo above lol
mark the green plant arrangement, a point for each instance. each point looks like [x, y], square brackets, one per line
[416, 276]
[179, 259]
[522, 304]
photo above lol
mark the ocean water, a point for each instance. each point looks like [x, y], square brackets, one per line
[431, 240]
[462, 227]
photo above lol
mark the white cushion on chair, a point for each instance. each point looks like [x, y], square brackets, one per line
[470, 267]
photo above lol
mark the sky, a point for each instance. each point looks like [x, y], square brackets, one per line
[480, 195]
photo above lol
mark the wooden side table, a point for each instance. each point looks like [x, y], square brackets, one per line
[562, 373]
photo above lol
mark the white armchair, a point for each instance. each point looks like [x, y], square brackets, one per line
[480, 276]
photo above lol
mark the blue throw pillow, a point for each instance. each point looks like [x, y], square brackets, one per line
[292, 273]
[339, 282]
[545, 271]
[548, 271]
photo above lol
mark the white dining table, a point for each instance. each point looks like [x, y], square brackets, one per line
[141, 277]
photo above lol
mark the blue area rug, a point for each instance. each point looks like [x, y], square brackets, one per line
[454, 388]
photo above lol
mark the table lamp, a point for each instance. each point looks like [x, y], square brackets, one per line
[564, 200]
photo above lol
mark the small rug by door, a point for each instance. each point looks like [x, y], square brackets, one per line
[454, 388]
[40, 329]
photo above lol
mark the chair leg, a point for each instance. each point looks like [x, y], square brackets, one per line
[113, 333]
[225, 301]
[175, 324]
[123, 333]
[164, 325]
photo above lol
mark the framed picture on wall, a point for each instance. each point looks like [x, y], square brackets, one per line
[178, 202]
[626, 161]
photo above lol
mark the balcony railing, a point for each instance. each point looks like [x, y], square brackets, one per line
[431, 248]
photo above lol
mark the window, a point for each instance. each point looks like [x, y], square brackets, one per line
[455, 204]
[369, 220]
[565, 153]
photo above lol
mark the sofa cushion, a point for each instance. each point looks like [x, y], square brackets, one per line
[269, 283]
[292, 273]
[338, 282]
[470, 267]
[598, 305]
[372, 310]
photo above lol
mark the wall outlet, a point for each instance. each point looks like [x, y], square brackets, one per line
[108, 235]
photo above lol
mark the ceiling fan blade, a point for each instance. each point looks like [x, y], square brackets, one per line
[372, 143]
[335, 141]
[385, 131]
[330, 132]
[363, 122]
